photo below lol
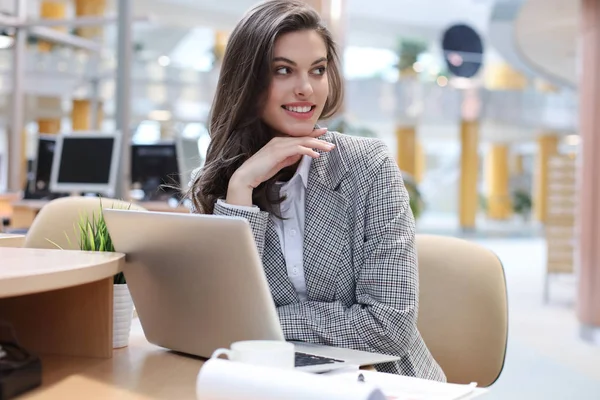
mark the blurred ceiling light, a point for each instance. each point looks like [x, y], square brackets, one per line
[455, 59]
[164, 61]
[462, 83]
[572, 140]
[160, 115]
[434, 70]
[442, 81]
[418, 67]
[6, 41]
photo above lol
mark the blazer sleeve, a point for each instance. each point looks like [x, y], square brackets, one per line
[256, 218]
[384, 317]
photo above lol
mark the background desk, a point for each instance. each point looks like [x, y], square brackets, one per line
[6, 201]
[24, 211]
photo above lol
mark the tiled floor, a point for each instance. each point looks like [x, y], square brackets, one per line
[545, 357]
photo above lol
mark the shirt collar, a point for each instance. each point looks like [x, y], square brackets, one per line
[304, 168]
[301, 172]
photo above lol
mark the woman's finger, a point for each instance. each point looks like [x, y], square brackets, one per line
[316, 143]
[318, 132]
[297, 149]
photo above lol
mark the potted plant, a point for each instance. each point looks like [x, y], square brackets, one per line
[521, 200]
[92, 234]
[409, 50]
[415, 199]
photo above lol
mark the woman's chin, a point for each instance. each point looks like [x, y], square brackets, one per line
[299, 129]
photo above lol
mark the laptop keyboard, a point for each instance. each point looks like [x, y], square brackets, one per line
[303, 360]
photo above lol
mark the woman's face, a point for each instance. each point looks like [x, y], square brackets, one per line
[299, 86]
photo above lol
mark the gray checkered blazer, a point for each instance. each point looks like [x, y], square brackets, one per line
[359, 259]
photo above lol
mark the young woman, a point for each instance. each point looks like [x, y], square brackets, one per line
[329, 212]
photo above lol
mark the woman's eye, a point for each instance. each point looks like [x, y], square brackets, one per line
[282, 70]
[320, 70]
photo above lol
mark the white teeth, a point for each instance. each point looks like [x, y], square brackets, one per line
[298, 109]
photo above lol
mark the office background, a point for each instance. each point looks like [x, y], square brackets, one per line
[492, 139]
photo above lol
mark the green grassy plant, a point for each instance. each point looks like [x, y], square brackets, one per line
[93, 235]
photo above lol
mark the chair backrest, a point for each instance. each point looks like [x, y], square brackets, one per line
[59, 218]
[463, 308]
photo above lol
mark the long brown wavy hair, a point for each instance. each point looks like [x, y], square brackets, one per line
[236, 129]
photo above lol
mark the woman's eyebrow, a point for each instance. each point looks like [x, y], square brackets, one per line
[287, 60]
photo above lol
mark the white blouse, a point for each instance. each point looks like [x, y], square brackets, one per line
[291, 229]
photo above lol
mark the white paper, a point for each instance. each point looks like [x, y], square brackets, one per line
[397, 387]
[228, 380]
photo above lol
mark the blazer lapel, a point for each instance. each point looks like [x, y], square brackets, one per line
[274, 265]
[326, 240]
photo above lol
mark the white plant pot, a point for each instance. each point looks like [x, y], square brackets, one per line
[122, 315]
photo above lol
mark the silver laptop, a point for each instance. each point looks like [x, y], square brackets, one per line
[198, 284]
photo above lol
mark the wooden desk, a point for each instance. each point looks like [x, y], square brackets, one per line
[139, 371]
[59, 301]
[6, 201]
[24, 211]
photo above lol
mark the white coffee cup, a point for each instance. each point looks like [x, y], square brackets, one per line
[268, 353]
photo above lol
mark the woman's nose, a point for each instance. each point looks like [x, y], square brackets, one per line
[303, 87]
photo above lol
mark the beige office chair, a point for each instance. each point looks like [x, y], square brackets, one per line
[61, 216]
[463, 308]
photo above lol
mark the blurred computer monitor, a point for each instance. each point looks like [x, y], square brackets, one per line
[86, 163]
[188, 155]
[155, 170]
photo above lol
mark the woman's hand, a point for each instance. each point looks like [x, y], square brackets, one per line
[278, 153]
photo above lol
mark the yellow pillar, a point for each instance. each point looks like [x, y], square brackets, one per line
[420, 162]
[221, 38]
[80, 115]
[51, 9]
[544, 86]
[469, 163]
[406, 145]
[518, 168]
[48, 125]
[501, 76]
[497, 182]
[547, 147]
[89, 8]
